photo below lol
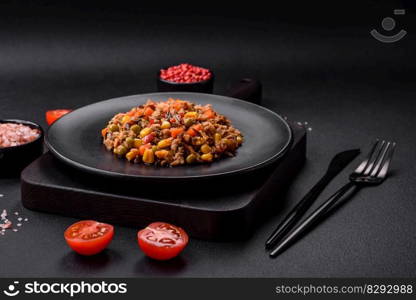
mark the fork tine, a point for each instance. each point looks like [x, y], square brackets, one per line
[383, 172]
[380, 160]
[374, 158]
[364, 164]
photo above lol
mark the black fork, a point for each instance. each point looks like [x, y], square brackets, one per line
[371, 171]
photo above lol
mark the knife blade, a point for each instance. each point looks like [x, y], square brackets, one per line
[337, 164]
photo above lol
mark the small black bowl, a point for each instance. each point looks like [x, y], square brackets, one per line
[14, 159]
[205, 86]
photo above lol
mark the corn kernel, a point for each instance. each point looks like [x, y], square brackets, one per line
[125, 119]
[148, 156]
[207, 157]
[137, 143]
[165, 125]
[205, 148]
[145, 131]
[162, 154]
[191, 114]
[217, 137]
[198, 141]
[191, 158]
[132, 154]
[164, 143]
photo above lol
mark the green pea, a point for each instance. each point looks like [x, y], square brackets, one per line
[120, 150]
[129, 142]
[136, 129]
[113, 127]
[189, 122]
[191, 158]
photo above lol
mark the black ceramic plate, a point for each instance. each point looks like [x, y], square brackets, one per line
[76, 139]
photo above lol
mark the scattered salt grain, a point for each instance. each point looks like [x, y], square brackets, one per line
[3, 215]
[304, 125]
[6, 224]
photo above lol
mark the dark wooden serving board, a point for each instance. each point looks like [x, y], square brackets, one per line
[214, 210]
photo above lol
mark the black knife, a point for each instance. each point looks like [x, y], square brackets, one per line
[337, 164]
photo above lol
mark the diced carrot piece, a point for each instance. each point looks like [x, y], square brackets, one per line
[176, 131]
[143, 148]
[197, 127]
[104, 131]
[192, 132]
[148, 111]
[178, 105]
[209, 114]
[132, 112]
[139, 112]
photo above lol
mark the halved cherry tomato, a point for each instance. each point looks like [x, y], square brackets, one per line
[162, 241]
[53, 115]
[89, 237]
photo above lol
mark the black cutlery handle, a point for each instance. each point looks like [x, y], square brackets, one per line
[297, 212]
[247, 89]
[312, 219]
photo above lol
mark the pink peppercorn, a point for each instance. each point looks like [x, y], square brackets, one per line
[185, 73]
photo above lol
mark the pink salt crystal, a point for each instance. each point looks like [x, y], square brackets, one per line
[6, 225]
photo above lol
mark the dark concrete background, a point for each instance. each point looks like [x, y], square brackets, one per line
[318, 63]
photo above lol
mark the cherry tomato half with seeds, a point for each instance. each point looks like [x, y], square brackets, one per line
[89, 237]
[162, 241]
[53, 115]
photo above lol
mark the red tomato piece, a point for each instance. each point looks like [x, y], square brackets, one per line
[53, 115]
[148, 138]
[162, 241]
[89, 237]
